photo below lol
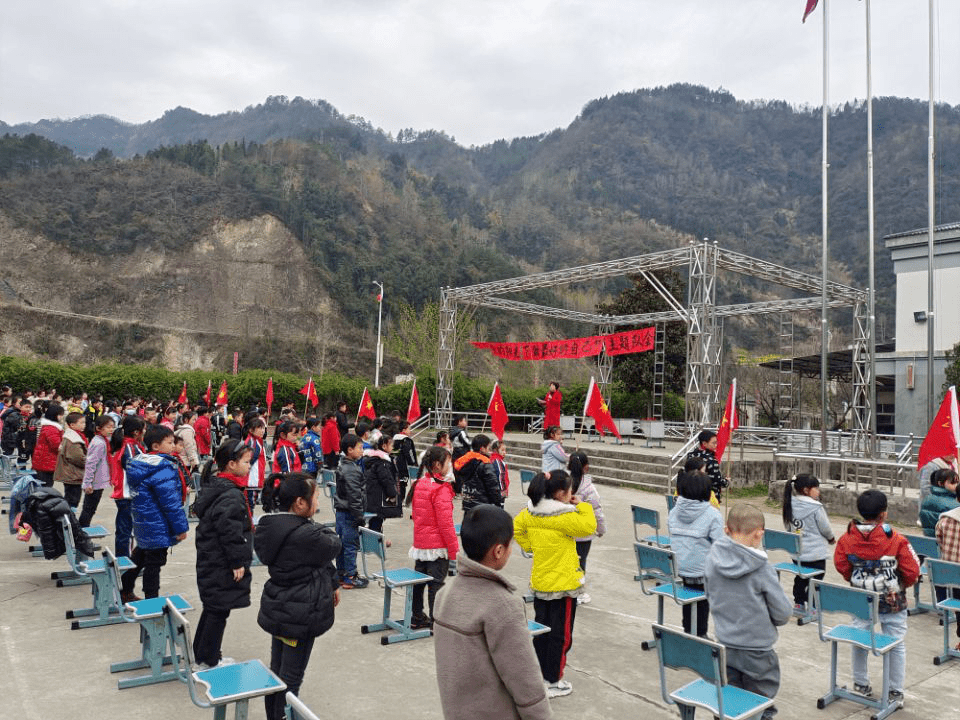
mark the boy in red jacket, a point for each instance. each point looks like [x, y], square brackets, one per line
[873, 556]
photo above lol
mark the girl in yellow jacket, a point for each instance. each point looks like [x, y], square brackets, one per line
[548, 528]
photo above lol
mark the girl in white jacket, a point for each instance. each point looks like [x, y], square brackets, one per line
[803, 513]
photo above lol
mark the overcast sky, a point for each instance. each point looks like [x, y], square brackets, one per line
[478, 69]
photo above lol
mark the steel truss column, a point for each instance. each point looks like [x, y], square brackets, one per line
[703, 343]
[445, 361]
[659, 361]
[787, 391]
[604, 363]
[862, 380]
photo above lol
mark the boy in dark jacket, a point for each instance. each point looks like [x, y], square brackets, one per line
[476, 477]
[224, 548]
[349, 504]
[873, 556]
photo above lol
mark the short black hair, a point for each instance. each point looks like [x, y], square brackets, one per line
[313, 421]
[155, 435]
[483, 527]
[348, 441]
[871, 503]
[362, 428]
[706, 436]
[693, 486]
[479, 442]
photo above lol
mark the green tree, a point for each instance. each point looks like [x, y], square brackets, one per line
[953, 366]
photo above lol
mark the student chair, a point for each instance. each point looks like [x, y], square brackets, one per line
[945, 575]
[671, 501]
[105, 610]
[217, 687]
[372, 543]
[659, 567]
[525, 477]
[413, 472]
[790, 543]
[154, 639]
[297, 710]
[645, 517]
[861, 604]
[678, 651]
[925, 547]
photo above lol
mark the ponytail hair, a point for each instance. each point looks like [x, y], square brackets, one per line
[102, 421]
[130, 425]
[432, 456]
[281, 490]
[546, 485]
[577, 462]
[797, 484]
[231, 449]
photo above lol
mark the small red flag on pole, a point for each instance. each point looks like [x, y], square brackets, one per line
[943, 437]
[183, 394]
[206, 395]
[310, 391]
[497, 412]
[222, 394]
[811, 6]
[413, 409]
[596, 407]
[366, 407]
[729, 423]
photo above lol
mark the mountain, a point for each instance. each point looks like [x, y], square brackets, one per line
[632, 173]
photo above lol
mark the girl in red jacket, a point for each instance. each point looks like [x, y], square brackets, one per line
[434, 536]
[45, 452]
[330, 442]
[124, 446]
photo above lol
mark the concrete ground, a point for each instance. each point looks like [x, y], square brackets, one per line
[51, 672]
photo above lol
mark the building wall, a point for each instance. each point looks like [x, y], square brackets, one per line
[912, 296]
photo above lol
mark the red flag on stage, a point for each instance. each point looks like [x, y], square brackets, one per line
[943, 437]
[269, 394]
[730, 421]
[222, 394]
[183, 394]
[413, 409]
[310, 390]
[497, 412]
[597, 408]
[811, 6]
[206, 395]
[366, 407]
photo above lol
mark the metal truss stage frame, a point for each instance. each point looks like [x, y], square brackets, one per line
[702, 316]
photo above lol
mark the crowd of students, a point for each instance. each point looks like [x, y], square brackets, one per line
[149, 455]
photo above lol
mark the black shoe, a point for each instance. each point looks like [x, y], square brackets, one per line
[421, 623]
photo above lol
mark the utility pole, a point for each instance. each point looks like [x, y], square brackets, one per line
[379, 358]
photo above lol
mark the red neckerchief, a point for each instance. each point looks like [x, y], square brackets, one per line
[241, 482]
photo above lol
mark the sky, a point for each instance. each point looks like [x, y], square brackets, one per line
[479, 70]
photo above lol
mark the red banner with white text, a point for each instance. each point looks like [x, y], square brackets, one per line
[622, 343]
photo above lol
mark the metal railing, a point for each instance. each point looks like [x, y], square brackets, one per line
[890, 475]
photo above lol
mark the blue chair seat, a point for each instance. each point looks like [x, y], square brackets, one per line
[536, 628]
[153, 607]
[97, 566]
[95, 531]
[949, 604]
[663, 540]
[856, 636]
[737, 703]
[799, 570]
[399, 577]
[684, 594]
[228, 683]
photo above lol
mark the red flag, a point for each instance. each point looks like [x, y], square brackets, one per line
[730, 421]
[222, 394]
[497, 412]
[206, 395]
[943, 437]
[597, 408]
[811, 6]
[366, 407]
[269, 394]
[310, 390]
[413, 409]
[183, 394]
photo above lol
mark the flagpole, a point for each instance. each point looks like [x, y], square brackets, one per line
[871, 270]
[306, 404]
[824, 330]
[930, 224]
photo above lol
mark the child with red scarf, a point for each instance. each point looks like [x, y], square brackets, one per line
[285, 456]
[224, 548]
[253, 434]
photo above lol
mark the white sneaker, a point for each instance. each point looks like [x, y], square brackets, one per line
[583, 599]
[559, 689]
[225, 661]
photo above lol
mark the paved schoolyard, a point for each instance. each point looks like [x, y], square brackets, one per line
[51, 672]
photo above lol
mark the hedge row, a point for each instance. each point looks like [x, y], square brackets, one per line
[249, 387]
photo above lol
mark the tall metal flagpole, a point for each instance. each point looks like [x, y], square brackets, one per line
[871, 297]
[931, 410]
[376, 378]
[824, 330]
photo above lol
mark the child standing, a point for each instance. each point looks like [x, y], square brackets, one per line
[486, 665]
[96, 472]
[584, 489]
[498, 452]
[71, 459]
[255, 429]
[553, 455]
[694, 525]
[873, 556]
[311, 446]
[434, 535]
[348, 503]
[747, 603]
[224, 547]
[299, 599]
[44, 458]
[942, 498]
[547, 528]
[156, 496]
[285, 456]
[124, 446]
[803, 513]
[330, 441]
[383, 497]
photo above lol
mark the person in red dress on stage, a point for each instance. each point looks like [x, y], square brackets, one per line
[551, 406]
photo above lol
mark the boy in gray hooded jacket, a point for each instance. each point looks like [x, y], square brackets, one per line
[747, 604]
